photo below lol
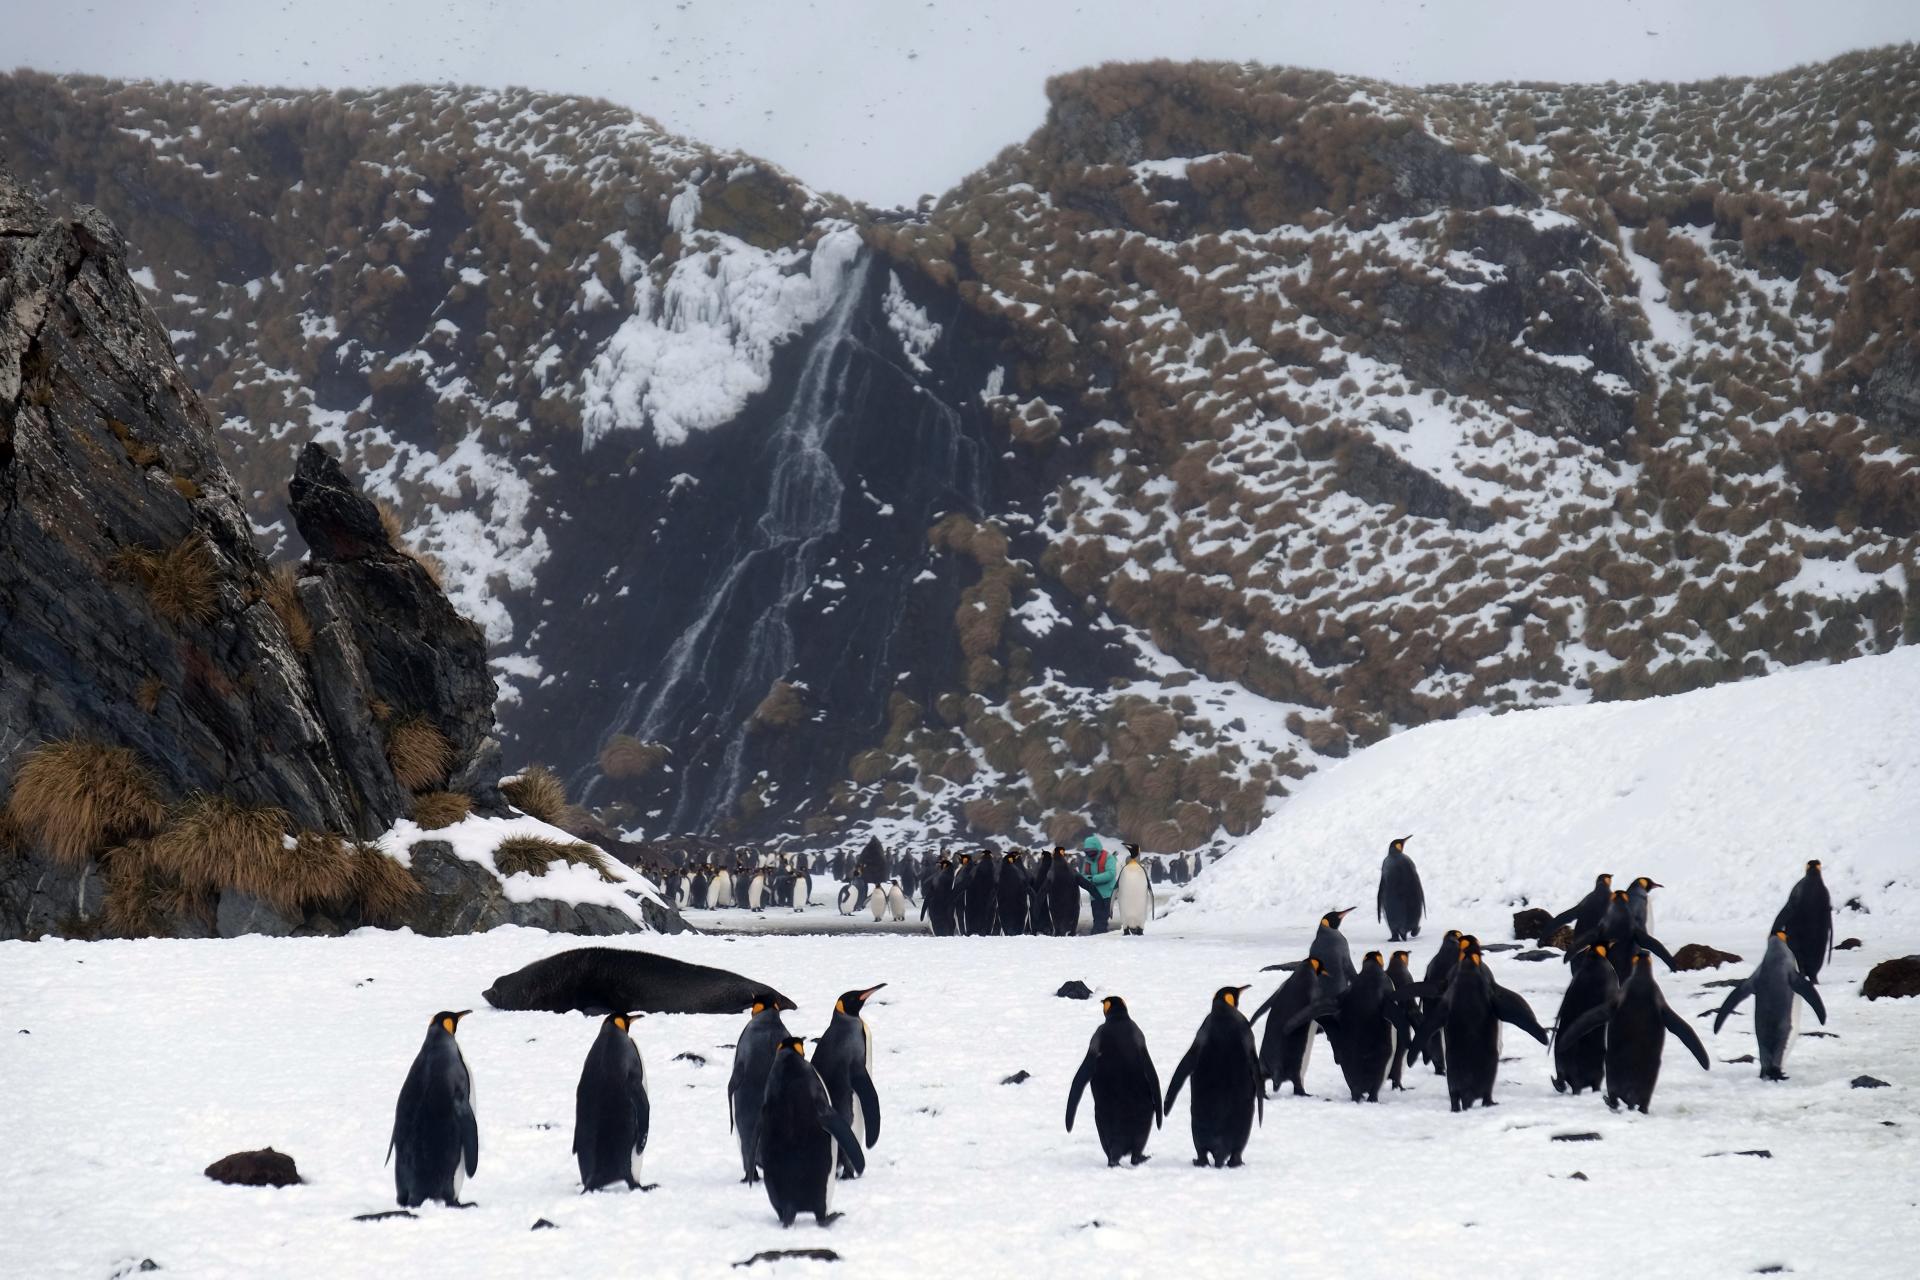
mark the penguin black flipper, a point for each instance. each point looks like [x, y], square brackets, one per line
[1808, 992]
[836, 1124]
[1734, 997]
[1180, 1074]
[469, 1132]
[1686, 1035]
[1080, 1080]
[1587, 1023]
[1323, 1011]
[1510, 1007]
[869, 1100]
[1652, 944]
[642, 1109]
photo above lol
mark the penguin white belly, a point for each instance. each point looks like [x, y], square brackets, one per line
[1793, 1027]
[897, 903]
[721, 895]
[859, 1121]
[756, 891]
[1306, 1054]
[877, 900]
[833, 1169]
[1131, 897]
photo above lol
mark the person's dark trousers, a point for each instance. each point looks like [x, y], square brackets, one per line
[1102, 913]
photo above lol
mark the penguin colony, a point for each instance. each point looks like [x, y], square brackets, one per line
[802, 1125]
[973, 892]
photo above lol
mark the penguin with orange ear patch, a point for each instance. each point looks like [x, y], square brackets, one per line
[1227, 1088]
[1284, 1054]
[435, 1135]
[799, 1137]
[844, 1059]
[611, 1114]
[1580, 1063]
[1126, 1088]
[1467, 1017]
[1637, 1026]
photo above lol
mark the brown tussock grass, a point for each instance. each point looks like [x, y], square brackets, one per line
[285, 602]
[436, 809]
[538, 793]
[418, 752]
[182, 583]
[626, 757]
[385, 890]
[531, 855]
[74, 798]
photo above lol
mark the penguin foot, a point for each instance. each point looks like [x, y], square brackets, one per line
[1234, 1161]
[1139, 1159]
[826, 1219]
[646, 1186]
[1199, 1162]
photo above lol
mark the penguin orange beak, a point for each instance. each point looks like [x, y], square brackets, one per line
[1344, 914]
[868, 993]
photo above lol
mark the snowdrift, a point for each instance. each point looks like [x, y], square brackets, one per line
[1721, 795]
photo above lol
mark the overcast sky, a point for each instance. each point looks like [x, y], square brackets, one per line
[886, 99]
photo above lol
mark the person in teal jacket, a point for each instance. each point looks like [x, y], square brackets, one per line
[1102, 874]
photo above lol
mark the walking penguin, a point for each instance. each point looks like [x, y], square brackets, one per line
[1227, 1089]
[435, 1137]
[1637, 1025]
[610, 1110]
[1126, 1089]
[1776, 1018]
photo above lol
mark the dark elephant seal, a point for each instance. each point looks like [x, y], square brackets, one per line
[602, 980]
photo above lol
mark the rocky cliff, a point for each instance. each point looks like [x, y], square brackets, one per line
[190, 740]
[1239, 415]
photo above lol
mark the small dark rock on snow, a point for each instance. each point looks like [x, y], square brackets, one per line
[780, 1255]
[1847, 944]
[1697, 955]
[1532, 923]
[1075, 990]
[1500, 946]
[1894, 978]
[541, 1224]
[1576, 1137]
[1539, 953]
[1869, 1082]
[264, 1168]
[384, 1215]
[1018, 1077]
[690, 1056]
[1734, 1062]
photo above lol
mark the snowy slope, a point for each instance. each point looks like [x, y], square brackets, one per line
[128, 1066]
[1721, 795]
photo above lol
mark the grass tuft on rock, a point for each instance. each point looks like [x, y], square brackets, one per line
[529, 855]
[436, 809]
[285, 603]
[73, 798]
[628, 759]
[182, 582]
[538, 793]
[385, 890]
[419, 753]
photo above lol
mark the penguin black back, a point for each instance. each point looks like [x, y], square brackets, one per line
[611, 1114]
[1637, 1025]
[1581, 1063]
[1807, 920]
[1368, 1024]
[844, 1061]
[1468, 1016]
[1284, 1054]
[1585, 914]
[1227, 1089]
[1015, 909]
[753, 1056]
[1400, 900]
[1063, 894]
[1331, 950]
[436, 1140]
[1773, 986]
[1126, 1088]
[799, 1137]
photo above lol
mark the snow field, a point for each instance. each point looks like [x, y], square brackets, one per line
[131, 1065]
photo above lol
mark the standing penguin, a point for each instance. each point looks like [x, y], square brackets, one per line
[1400, 974]
[1637, 1025]
[1013, 893]
[720, 892]
[799, 1137]
[753, 1056]
[1039, 913]
[1400, 900]
[1468, 1016]
[1776, 1018]
[896, 901]
[435, 1134]
[1808, 921]
[877, 901]
[1623, 937]
[1582, 1063]
[1586, 913]
[1063, 894]
[982, 895]
[1432, 985]
[756, 889]
[1330, 948]
[1133, 895]
[1284, 1053]
[610, 1111]
[937, 899]
[1640, 900]
[1367, 1024]
[1126, 1088]
[1227, 1088]
[844, 1059]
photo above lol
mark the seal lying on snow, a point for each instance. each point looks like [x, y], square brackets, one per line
[602, 980]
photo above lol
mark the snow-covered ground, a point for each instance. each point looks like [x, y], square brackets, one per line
[126, 1067]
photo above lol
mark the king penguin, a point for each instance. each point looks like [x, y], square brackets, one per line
[1227, 1089]
[1063, 895]
[1014, 894]
[896, 901]
[1808, 921]
[800, 1137]
[1640, 900]
[1400, 900]
[1776, 1018]
[1582, 1063]
[1586, 913]
[1623, 936]
[1467, 1016]
[753, 1056]
[844, 1059]
[610, 1110]
[1284, 1054]
[1432, 986]
[435, 1135]
[1637, 1026]
[1368, 1023]
[1133, 894]
[1331, 950]
[1126, 1088]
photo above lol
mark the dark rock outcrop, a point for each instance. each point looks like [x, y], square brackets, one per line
[1074, 989]
[1532, 923]
[458, 896]
[263, 1168]
[1895, 978]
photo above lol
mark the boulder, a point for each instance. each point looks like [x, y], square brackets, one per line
[1074, 990]
[1532, 923]
[1896, 978]
[459, 896]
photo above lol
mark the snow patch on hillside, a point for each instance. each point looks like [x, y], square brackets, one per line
[1721, 795]
[475, 838]
[695, 349]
